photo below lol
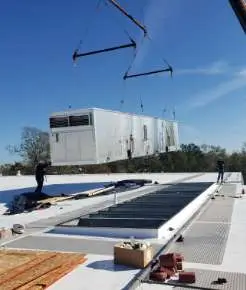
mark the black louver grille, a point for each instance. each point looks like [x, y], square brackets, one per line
[79, 120]
[58, 122]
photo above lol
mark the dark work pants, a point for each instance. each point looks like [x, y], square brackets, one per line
[40, 182]
[220, 175]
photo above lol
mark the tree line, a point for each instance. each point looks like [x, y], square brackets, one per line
[34, 146]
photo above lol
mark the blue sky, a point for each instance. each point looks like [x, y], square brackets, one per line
[202, 40]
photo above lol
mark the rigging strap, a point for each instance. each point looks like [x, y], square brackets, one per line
[115, 4]
[97, 9]
[127, 75]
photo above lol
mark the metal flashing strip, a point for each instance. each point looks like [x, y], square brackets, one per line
[68, 244]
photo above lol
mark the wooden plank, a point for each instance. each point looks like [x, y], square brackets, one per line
[54, 275]
[35, 270]
[24, 267]
[99, 191]
[53, 200]
[87, 193]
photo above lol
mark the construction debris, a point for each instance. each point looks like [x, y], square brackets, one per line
[131, 182]
[133, 253]
[134, 245]
[170, 267]
[180, 239]
[18, 229]
[30, 201]
[100, 191]
[219, 281]
[26, 202]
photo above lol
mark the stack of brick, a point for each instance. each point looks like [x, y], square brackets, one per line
[170, 265]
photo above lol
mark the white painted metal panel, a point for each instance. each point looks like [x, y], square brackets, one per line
[76, 144]
[110, 131]
[113, 135]
[58, 147]
[87, 146]
[72, 146]
[113, 130]
[161, 136]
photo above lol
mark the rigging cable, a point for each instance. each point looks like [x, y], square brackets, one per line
[123, 11]
[76, 53]
[127, 33]
[141, 105]
[122, 101]
[87, 29]
[117, 22]
[168, 69]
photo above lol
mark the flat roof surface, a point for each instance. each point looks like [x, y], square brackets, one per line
[69, 184]
[226, 212]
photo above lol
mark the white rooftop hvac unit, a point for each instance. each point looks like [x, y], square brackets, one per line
[96, 136]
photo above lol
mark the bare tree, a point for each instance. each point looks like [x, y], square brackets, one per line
[34, 146]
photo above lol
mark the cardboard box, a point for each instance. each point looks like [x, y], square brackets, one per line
[130, 257]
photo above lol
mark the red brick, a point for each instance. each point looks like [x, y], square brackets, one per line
[169, 271]
[179, 257]
[158, 276]
[187, 277]
[168, 260]
[179, 266]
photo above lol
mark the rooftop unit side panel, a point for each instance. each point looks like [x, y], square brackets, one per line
[176, 134]
[109, 133]
[73, 147]
[57, 147]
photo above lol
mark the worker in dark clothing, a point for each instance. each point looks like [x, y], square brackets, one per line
[221, 170]
[40, 173]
